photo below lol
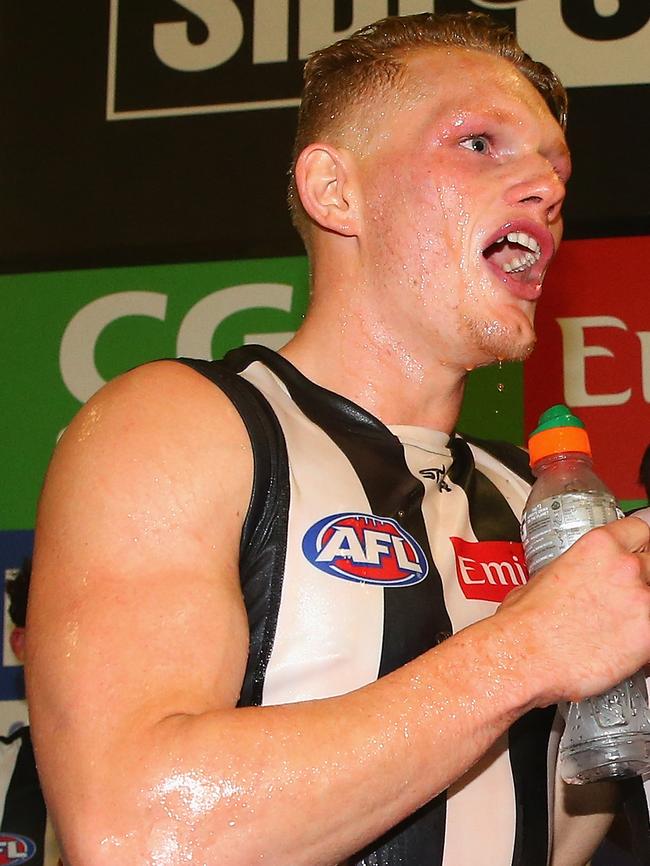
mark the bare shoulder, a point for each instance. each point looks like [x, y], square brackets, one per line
[161, 434]
[162, 407]
[137, 551]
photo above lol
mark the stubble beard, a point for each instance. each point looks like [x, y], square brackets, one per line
[499, 342]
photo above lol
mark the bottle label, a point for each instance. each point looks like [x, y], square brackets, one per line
[555, 523]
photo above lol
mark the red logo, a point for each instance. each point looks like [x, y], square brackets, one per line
[15, 849]
[488, 570]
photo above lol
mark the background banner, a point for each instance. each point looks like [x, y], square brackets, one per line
[160, 130]
[593, 352]
[69, 332]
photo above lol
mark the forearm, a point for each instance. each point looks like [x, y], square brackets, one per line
[306, 783]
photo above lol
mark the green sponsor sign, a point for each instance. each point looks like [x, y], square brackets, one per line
[66, 333]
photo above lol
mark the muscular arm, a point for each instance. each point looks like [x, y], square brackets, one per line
[137, 643]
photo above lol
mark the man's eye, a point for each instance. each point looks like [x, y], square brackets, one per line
[477, 143]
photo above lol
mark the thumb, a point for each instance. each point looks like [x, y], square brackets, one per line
[633, 532]
[512, 596]
[642, 514]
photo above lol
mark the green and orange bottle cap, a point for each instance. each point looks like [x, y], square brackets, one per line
[559, 430]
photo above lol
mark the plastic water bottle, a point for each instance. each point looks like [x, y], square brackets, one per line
[606, 736]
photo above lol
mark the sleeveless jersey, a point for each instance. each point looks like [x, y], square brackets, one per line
[363, 547]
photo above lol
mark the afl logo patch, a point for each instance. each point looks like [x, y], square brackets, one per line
[15, 849]
[365, 549]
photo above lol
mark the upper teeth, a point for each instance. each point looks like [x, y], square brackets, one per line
[521, 262]
[525, 240]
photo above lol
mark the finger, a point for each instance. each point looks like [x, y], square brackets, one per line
[632, 533]
[642, 514]
[512, 595]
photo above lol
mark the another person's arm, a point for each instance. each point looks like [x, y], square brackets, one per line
[583, 815]
[138, 640]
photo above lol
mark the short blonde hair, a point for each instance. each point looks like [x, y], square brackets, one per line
[337, 79]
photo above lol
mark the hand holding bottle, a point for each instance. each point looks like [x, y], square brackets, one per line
[606, 735]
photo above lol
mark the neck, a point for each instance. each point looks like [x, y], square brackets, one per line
[353, 347]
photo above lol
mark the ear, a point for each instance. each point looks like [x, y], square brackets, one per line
[325, 181]
[17, 642]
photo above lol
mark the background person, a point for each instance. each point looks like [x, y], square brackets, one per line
[24, 816]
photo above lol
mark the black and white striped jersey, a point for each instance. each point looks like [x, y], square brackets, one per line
[364, 546]
[26, 835]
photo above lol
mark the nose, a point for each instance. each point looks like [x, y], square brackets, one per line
[539, 188]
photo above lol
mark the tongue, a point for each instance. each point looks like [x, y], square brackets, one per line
[504, 253]
[524, 284]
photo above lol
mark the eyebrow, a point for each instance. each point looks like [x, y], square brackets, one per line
[559, 145]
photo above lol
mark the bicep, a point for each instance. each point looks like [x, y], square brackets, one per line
[135, 607]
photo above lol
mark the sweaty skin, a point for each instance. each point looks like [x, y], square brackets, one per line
[138, 637]
[429, 204]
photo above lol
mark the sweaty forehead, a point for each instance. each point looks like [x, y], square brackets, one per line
[456, 78]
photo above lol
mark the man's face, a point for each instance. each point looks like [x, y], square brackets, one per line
[462, 187]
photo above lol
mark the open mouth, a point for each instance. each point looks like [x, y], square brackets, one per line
[516, 253]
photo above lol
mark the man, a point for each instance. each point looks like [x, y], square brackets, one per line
[203, 550]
